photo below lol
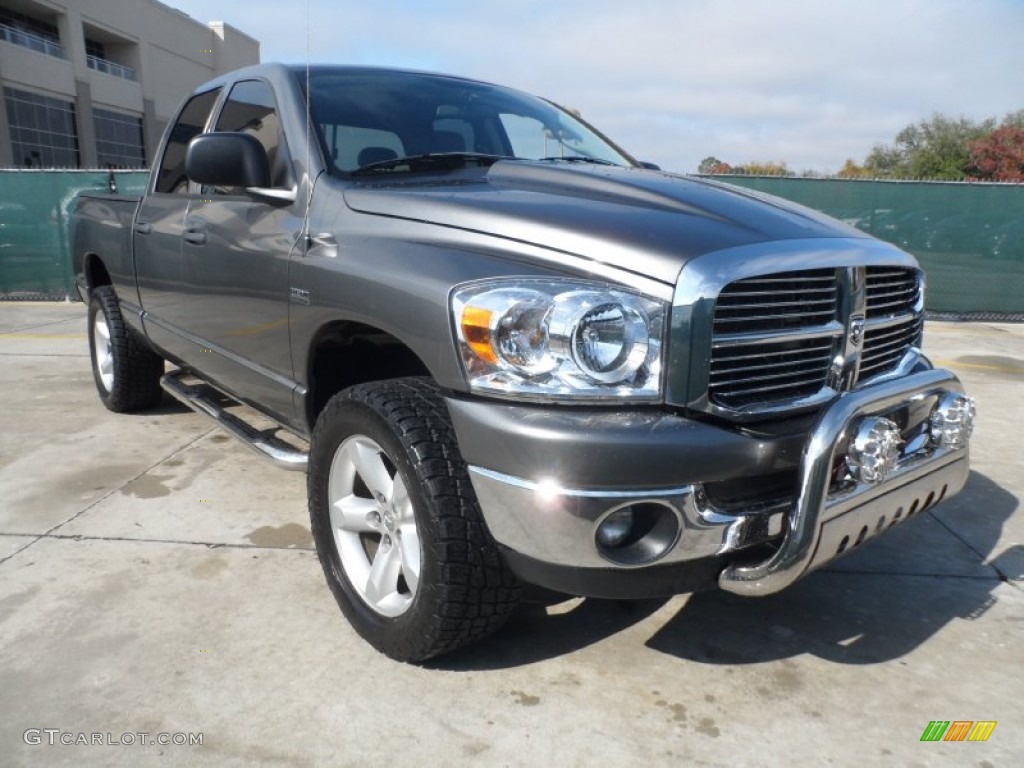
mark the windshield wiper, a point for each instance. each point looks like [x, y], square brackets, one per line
[577, 159]
[430, 160]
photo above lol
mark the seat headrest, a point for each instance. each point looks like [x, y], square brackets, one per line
[375, 155]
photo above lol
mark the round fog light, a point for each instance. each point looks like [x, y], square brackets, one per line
[638, 533]
[952, 420]
[874, 450]
[615, 528]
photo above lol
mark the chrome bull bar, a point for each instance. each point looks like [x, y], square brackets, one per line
[817, 524]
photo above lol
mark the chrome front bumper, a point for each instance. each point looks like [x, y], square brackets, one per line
[557, 525]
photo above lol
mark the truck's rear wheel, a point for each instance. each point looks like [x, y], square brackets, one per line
[397, 526]
[126, 370]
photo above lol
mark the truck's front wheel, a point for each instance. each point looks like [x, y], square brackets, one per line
[397, 526]
[126, 370]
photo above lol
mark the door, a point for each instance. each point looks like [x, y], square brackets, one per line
[236, 251]
[157, 239]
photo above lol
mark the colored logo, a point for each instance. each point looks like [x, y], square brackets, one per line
[958, 730]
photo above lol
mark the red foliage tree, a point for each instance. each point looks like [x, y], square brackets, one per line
[999, 156]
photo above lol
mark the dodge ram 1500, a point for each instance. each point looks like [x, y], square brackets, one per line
[506, 352]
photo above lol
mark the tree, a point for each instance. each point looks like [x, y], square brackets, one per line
[936, 148]
[713, 165]
[764, 169]
[1014, 119]
[1000, 155]
[851, 170]
[885, 162]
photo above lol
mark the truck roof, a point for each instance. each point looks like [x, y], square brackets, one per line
[271, 70]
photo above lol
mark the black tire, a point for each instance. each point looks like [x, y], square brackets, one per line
[465, 591]
[126, 370]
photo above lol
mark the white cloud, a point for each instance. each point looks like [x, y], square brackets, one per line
[802, 81]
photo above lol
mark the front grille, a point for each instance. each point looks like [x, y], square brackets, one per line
[758, 355]
[894, 323]
[891, 291]
[745, 375]
[775, 337]
[777, 302]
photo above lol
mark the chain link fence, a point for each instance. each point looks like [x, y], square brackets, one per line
[968, 237]
[35, 206]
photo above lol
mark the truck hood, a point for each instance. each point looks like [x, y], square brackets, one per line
[646, 222]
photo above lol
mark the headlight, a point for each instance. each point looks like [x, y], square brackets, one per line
[559, 339]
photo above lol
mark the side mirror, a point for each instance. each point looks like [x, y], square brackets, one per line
[227, 160]
[650, 166]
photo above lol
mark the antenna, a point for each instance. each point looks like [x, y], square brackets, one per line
[309, 135]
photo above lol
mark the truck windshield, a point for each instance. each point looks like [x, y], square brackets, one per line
[372, 121]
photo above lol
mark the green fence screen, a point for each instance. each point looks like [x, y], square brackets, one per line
[35, 258]
[969, 238]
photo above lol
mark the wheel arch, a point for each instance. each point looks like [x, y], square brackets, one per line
[95, 272]
[344, 353]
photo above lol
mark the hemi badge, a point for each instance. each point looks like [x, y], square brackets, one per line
[300, 295]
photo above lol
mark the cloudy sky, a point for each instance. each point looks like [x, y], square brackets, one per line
[805, 82]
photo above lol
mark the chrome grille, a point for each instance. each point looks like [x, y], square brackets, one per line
[894, 323]
[761, 351]
[885, 346]
[777, 302]
[891, 291]
[748, 374]
[775, 337]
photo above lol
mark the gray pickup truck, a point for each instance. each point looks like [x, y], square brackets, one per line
[506, 353]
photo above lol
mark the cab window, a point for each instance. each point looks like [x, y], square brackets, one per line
[250, 109]
[171, 178]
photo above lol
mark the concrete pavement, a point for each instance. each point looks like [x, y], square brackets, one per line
[157, 577]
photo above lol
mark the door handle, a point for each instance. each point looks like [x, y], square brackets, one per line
[194, 236]
[143, 227]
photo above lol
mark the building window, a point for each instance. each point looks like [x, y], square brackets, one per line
[118, 140]
[43, 130]
[93, 48]
[31, 33]
[96, 58]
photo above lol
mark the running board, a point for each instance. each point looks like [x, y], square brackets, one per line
[265, 442]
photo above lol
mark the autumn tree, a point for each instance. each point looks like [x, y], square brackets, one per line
[941, 148]
[712, 165]
[764, 169]
[851, 170]
[999, 156]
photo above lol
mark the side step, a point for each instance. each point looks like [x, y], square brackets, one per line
[202, 399]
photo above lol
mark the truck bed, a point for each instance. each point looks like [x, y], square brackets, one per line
[102, 223]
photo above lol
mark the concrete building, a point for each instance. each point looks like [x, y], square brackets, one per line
[93, 83]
